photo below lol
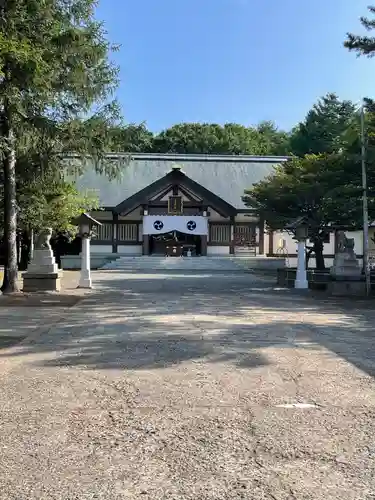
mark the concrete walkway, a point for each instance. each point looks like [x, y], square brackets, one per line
[191, 387]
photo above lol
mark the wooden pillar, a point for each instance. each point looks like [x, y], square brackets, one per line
[270, 243]
[204, 245]
[261, 236]
[146, 245]
[146, 237]
[232, 233]
[114, 232]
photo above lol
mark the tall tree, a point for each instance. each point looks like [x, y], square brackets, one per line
[324, 128]
[326, 189]
[361, 44]
[53, 68]
[276, 142]
[132, 138]
[211, 138]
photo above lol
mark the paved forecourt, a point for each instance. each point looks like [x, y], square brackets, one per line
[191, 385]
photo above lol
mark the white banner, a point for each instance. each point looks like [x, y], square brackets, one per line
[160, 224]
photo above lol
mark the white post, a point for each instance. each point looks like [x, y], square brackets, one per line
[85, 278]
[301, 278]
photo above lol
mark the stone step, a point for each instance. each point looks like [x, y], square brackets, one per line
[209, 263]
[172, 263]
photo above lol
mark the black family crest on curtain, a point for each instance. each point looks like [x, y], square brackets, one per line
[191, 225]
[158, 225]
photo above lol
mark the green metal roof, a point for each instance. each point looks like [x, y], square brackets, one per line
[226, 176]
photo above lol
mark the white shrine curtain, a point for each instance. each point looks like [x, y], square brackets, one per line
[160, 224]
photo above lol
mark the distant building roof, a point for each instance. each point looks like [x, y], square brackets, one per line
[227, 176]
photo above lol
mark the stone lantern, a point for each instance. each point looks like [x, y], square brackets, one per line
[300, 227]
[85, 223]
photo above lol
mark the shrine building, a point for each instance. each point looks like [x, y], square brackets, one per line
[175, 204]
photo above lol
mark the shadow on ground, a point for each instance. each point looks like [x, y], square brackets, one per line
[136, 323]
[25, 314]
[42, 300]
[7, 341]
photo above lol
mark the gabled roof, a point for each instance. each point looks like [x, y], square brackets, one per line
[176, 177]
[227, 176]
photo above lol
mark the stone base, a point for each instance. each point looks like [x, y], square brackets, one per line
[301, 284]
[33, 282]
[345, 268]
[347, 288]
[85, 279]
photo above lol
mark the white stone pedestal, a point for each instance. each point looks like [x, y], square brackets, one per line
[346, 267]
[43, 274]
[85, 276]
[346, 275]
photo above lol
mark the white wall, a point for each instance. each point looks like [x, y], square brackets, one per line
[214, 216]
[290, 243]
[101, 215]
[358, 240]
[329, 248]
[130, 249]
[218, 250]
[246, 218]
[101, 249]
[135, 215]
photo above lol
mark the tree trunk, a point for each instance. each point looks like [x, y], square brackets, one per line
[309, 251]
[5, 247]
[19, 248]
[319, 258]
[31, 252]
[10, 215]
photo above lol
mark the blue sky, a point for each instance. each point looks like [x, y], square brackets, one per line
[240, 61]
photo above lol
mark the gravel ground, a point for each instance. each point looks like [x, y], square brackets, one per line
[26, 314]
[174, 387]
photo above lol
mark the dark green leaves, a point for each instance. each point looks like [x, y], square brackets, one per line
[361, 44]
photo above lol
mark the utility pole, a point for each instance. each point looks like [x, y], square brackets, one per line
[366, 266]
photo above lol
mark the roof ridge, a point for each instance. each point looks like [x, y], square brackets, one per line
[202, 157]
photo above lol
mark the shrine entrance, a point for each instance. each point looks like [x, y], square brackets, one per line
[175, 236]
[175, 244]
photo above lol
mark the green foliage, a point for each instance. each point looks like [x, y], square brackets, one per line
[362, 44]
[132, 139]
[275, 141]
[53, 204]
[231, 138]
[324, 128]
[315, 186]
[325, 189]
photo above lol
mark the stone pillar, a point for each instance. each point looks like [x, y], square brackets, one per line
[85, 276]
[301, 277]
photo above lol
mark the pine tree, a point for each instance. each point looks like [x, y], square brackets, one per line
[363, 45]
[324, 128]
